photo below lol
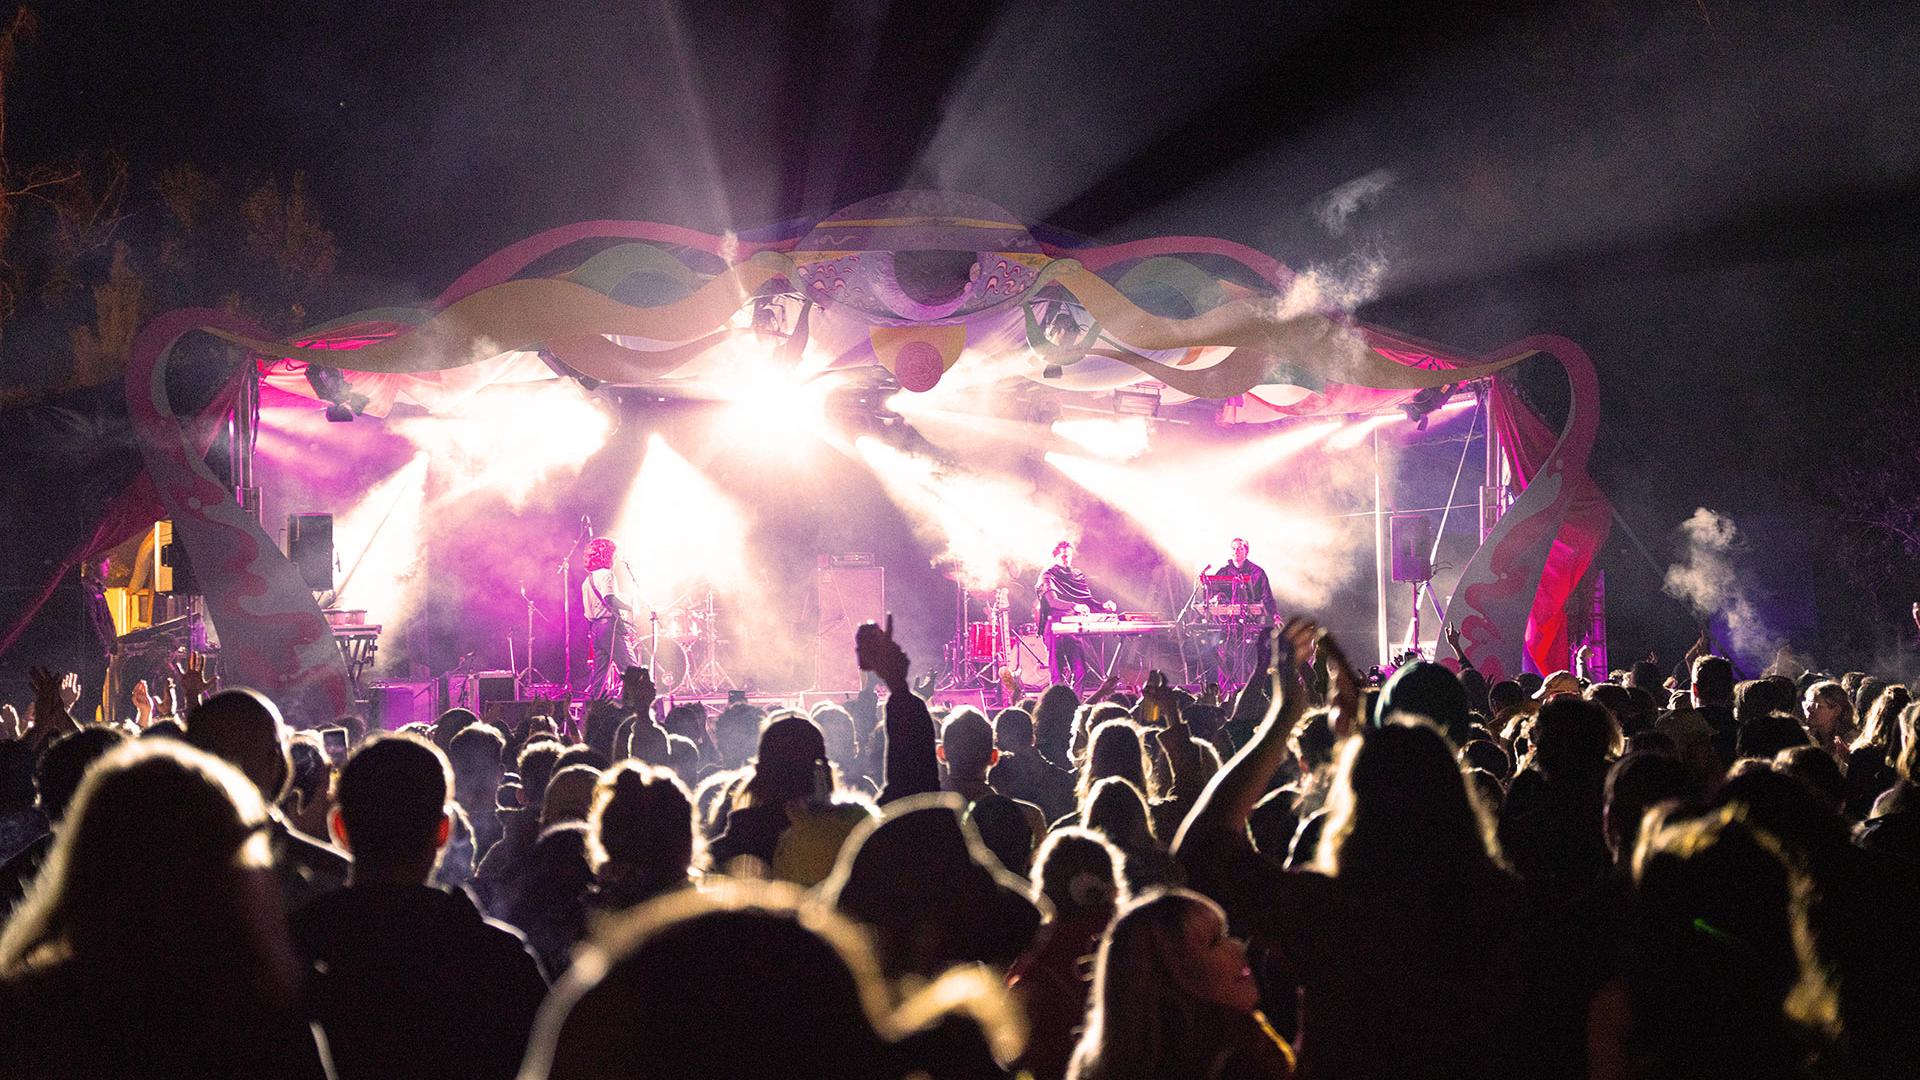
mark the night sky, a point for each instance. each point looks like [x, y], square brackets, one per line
[1717, 200]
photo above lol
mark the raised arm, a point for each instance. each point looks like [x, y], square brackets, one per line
[1229, 798]
[913, 767]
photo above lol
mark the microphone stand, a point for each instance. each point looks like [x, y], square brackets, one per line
[566, 610]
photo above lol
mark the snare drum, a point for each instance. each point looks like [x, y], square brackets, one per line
[980, 641]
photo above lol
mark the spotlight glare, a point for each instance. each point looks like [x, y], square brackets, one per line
[379, 540]
[1357, 432]
[1121, 439]
[988, 526]
[510, 438]
[1190, 509]
[677, 527]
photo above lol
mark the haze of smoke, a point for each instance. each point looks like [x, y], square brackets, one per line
[1708, 580]
[1336, 206]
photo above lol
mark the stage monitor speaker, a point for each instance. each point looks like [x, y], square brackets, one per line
[1412, 547]
[310, 547]
[395, 704]
[492, 686]
[849, 595]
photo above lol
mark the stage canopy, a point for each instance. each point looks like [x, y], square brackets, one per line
[929, 291]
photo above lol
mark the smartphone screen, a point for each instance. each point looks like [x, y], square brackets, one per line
[335, 741]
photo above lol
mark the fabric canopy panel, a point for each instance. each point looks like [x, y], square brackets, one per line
[922, 284]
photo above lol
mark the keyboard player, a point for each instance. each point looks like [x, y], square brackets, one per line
[1062, 591]
[1241, 586]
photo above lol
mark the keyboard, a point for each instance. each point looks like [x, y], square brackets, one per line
[1131, 622]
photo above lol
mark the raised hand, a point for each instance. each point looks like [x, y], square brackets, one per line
[1343, 688]
[193, 678]
[1453, 640]
[142, 704]
[12, 727]
[876, 651]
[1292, 652]
[70, 690]
[49, 704]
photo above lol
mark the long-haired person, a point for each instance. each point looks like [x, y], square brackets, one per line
[1387, 937]
[1830, 718]
[1078, 872]
[153, 942]
[745, 979]
[1871, 755]
[1173, 997]
[640, 835]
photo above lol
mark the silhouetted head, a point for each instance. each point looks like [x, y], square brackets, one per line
[736, 731]
[642, 818]
[1115, 749]
[789, 763]
[1165, 967]
[161, 875]
[1712, 681]
[1636, 783]
[1080, 873]
[1429, 691]
[1400, 814]
[1013, 730]
[1053, 722]
[966, 743]
[475, 756]
[390, 805]
[64, 763]
[1116, 809]
[243, 728]
[569, 795]
[744, 979]
[933, 895]
[1574, 737]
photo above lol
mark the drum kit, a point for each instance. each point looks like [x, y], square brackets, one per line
[681, 646]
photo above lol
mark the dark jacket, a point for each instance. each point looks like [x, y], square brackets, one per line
[408, 980]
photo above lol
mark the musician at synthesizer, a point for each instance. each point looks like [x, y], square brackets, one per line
[604, 600]
[1254, 590]
[1062, 591]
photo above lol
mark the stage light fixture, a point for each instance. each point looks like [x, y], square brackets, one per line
[1129, 401]
[1425, 402]
[329, 385]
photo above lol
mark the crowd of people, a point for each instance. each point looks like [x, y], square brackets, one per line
[1633, 876]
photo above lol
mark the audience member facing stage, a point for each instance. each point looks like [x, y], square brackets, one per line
[153, 943]
[641, 836]
[243, 728]
[406, 979]
[1078, 873]
[749, 980]
[63, 764]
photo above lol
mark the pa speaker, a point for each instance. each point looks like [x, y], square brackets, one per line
[1412, 546]
[849, 595]
[310, 547]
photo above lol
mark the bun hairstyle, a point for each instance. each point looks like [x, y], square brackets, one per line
[642, 817]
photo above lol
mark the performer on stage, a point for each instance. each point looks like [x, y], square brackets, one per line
[1063, 591]
[605, 604]
[1254, 590]
[1245, 584]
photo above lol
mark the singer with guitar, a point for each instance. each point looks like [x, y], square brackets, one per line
[605, 601]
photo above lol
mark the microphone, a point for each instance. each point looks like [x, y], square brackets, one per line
[1204, 569]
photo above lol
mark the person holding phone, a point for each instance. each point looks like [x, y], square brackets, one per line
[609, 611]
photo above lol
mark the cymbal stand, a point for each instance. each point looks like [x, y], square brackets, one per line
[710, 677]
